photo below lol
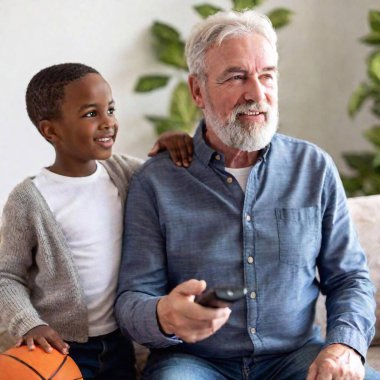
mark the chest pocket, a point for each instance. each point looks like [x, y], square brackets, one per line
[299, 233]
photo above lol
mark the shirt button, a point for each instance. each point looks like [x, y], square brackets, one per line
[248, 217]
[252, 330]
[253, 295]
[217, 157]
[229, 180]
[250, 260]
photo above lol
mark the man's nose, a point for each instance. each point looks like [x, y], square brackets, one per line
[254, 91]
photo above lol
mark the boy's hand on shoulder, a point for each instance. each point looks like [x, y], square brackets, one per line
[178, 144]
[46, 337]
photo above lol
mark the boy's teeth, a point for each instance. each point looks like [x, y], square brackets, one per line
[104, 139]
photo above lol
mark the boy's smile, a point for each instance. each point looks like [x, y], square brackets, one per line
[86, 129]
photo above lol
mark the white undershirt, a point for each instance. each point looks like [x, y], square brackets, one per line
[241, 175]
[88, 209]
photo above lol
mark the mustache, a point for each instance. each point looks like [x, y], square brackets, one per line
[250, 107]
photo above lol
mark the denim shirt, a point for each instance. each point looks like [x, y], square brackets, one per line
[291, 223]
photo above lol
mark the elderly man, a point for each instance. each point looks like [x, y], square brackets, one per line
[256, 209]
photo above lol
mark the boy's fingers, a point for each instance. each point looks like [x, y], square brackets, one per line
[60, 345]
[175, 155]
[30, 344]
[154, 150]
[44, 344]
[19, 342]
[184, 155]
[189, 147]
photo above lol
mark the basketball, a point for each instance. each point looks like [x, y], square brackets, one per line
[22, 364]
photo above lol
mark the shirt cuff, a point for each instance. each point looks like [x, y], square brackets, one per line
[349, 337]
[150, 331]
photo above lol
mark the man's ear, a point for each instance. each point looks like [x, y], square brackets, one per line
[196, 90]
[47, 130]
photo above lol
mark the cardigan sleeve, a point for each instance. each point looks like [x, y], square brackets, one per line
[17, 247]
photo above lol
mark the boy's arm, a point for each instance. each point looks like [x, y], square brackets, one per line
[178, 144]
[16, 259]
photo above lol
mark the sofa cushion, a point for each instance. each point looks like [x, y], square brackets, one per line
[365, 212]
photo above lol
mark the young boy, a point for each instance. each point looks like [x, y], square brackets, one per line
[62, 229]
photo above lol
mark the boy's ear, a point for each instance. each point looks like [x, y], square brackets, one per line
[196, 90]
[47, 130]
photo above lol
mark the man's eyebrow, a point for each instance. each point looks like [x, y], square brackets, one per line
[239, 69]
[91, 105]
[269, 68]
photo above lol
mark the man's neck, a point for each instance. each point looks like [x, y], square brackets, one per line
[233, 157]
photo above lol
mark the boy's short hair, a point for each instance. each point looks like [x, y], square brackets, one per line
[45, 91]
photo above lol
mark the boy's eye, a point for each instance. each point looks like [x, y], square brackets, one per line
[90, 114]
[111, 111]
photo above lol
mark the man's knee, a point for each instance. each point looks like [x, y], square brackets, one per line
[174, 366]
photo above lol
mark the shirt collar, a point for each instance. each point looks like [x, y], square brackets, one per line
[205, 153]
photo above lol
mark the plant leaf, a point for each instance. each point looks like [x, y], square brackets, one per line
[357, 98]
[376, 160]
[371, 39]
[373, 135]
[374, 66]
[376, 108]
[205, 10]
[164, 32]
[163, 124]
[352, 185]
[182, 106]
[172, 53]
[240, 5]
[374, 20]
[362, 162]
[280, 17]
[148, 83]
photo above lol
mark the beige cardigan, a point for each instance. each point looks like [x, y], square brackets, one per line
[38, 280]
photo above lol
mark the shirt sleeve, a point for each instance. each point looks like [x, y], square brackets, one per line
[143, 279]
[344, 276]
[16, 258]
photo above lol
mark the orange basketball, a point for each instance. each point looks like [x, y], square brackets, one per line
[22, 364]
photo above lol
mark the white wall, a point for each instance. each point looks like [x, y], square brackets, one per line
[321, 63]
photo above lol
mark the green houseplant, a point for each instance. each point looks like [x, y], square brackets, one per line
[365, 166]
[169, 49]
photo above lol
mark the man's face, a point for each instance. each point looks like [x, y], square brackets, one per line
[239, 97]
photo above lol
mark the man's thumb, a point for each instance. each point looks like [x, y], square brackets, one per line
[191, 287]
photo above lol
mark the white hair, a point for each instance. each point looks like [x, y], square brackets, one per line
[214, 29]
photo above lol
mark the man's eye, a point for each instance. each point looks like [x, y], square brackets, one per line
[267, 77]
[111, 110]
[237, 77]
[90, 114]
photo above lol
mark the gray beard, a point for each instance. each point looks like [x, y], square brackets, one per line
[248, 137]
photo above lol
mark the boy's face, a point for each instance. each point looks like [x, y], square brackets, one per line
[87, 127]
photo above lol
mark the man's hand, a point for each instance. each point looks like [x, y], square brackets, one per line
[179, 315]
[178, 144]
[337, 361]
[45, 337]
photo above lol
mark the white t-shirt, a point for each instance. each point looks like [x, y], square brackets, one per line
[241, 175]
[89, 211]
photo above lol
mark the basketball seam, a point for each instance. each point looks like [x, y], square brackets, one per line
[26, 364]
[58, 369]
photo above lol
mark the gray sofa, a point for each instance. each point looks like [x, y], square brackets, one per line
[366, 215]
